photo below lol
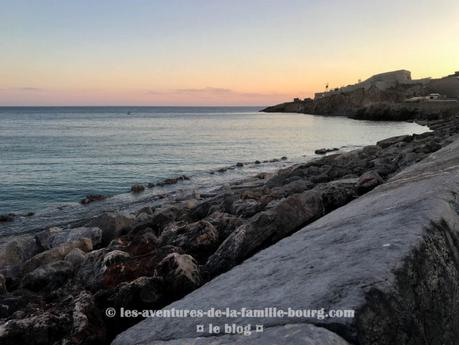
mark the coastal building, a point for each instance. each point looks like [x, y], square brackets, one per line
[381, 81]
[448, 86]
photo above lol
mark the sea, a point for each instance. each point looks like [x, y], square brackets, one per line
[52, 157]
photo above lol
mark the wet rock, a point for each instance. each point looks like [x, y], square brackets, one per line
[7, 217]
[368, 181]
[49, 276]
[112, 225]
[180, 272]
[92, 198]
[257, 162]
[324, 151]
[239, 164]
[137, 188]
[174, 180]
[284, 158]
[266, 228]
[199, 239]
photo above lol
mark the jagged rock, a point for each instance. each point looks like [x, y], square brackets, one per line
[205, 208]
[199, 239]
[114, 257]
[75, 257]
[91, 270]
[296, 186]
[338, 193]
[14, 253]
[49, 276]
[41, 329]
[87, 326]
[266, 228]
[56, 254]
[368, 181]
[224, 223]
[106, 269]
[391, 255]
[428, 147]
[180, 272]
[75, 321]
[394, 140]
[141, 293]
[112, 225]
[246, 207]
[142, 244]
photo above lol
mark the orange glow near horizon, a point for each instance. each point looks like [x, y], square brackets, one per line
[255, 55]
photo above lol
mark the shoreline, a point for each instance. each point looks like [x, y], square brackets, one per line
[174, 248]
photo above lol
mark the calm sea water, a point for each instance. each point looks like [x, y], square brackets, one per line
[54, 156]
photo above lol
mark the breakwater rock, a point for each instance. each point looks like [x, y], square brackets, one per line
[56, 285]
[391, 255]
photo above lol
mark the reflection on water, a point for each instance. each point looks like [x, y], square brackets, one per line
[53, 156]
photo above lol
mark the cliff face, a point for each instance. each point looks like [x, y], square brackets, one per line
[348, 103]
[391, 255]
[384, 94]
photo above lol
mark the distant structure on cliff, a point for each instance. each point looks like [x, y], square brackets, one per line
[447, 87]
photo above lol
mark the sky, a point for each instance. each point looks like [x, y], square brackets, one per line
[214, 52]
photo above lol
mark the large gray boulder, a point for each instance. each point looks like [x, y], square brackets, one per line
[54, 237]
[112, 224]
[392, 256]
[266, 228]
[15, 252]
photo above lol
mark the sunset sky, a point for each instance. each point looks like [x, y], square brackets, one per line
[214, 52]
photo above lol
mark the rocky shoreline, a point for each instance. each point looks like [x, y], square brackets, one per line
[56, 285]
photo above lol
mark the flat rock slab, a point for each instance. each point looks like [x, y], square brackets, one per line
[391, 255]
